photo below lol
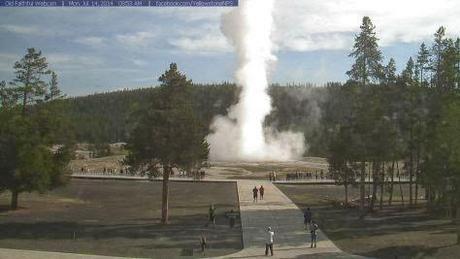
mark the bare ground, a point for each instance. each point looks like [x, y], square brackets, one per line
[394, 232]
[121, 218]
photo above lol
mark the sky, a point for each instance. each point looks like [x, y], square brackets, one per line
[96, 50]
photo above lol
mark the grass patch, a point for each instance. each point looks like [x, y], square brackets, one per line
[121, 218]
[394, 232]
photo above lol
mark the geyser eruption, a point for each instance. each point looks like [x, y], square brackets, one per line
[241, 135]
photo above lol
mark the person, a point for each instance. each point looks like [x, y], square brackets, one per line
[232, 218]
[270, 240]
[274, 176]
[212, 214]
[314, 235]
[202, 174]
[254, 194]
[307, 218]
[203, 243]
[261, 192]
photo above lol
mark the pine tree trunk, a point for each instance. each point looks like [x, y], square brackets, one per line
[362, 188]
[410, 185]
[411, 168]
[14, 199]
[458, 225]
[382, 185]
[370, 181]
[24, 101]
[417, 173]
[429, 196]
[165, 196]
[390, 199]
[400, 185]
[346, 194]
[374, 186]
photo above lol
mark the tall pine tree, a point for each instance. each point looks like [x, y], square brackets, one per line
[169, 134]
[423, 59]
[367, 55]
[27, 162]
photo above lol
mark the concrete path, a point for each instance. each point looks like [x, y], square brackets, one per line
[279, 212]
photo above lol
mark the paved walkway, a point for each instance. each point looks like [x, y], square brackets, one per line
[286, 219]
[275, 210]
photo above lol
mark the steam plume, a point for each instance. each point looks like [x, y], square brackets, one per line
[241, 135]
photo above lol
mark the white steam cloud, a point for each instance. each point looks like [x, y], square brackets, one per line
[241, 135]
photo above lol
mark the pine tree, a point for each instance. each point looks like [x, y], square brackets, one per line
[423, 59]
[443, 162]
[342, 167]
[437, 51]
[367, 67]
[29, 85]
[408, 74]
[448, 67]
[54, 91]
[390, 72]
[7, 96]
[26, 161]
[457, 63]
[168, 134]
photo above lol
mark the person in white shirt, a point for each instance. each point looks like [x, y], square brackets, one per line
[270, 239]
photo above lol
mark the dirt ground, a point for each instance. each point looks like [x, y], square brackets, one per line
[393, 232]
[216, 169]
[121, 218]
[93, 165]
[260, 170]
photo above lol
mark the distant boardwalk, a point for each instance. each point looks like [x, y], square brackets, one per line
[209, 179]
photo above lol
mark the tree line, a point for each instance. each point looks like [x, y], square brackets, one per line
[381, 122]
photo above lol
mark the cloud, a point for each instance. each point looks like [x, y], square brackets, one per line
[91, 41]
[313, 25]
[140, 62]
[205, 39]
[206, 45]
[316, 41]
[73, 61]
[19, 29]
[301, 26]
[104, 39]
[137, 39]
[60, 60]
[7, 61]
